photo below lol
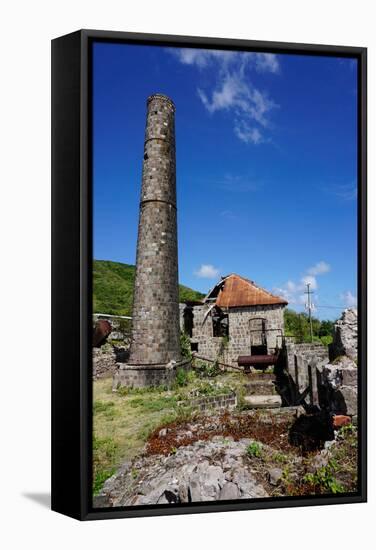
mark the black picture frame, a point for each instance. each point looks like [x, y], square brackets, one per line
[72, 265]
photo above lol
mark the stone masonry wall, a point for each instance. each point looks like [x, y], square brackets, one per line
[239, 342]
[345, 336]
[239, 328]
[140, 376]
[155, 330]
[214, 402]
[304, 366]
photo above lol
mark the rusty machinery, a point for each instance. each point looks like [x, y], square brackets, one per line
[259, 356]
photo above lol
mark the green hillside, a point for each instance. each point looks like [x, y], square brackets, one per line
[113, 288]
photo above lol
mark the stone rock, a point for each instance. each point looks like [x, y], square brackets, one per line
[162, 432]
[341, 381]
[345, 335]
[320, 461]
[209, 470]
[342, 372]
[275, 476]
[229, 491]
[263, 401]
[194, 488]
[183, 493]
[349, 395]
[350, 376]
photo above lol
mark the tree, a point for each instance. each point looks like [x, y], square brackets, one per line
[297, 325]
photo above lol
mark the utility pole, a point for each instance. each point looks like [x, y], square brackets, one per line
[309, 307]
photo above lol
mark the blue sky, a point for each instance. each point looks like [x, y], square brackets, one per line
[266, 165]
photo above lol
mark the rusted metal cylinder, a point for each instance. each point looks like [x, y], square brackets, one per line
[257, 360]
[101, 332]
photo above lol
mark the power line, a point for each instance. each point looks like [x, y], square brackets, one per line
[332, 307]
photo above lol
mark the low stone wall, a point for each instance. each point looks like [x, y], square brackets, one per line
[214, 402]
[106, 359]
[141, 376]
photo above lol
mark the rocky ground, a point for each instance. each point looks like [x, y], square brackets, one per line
[205, 471]
[199, 460]
[169, 452]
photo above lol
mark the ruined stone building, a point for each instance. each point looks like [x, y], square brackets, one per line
[237, 317]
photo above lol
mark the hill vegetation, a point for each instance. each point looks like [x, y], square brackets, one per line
[113, 288]
[113, 293]
[297, 325]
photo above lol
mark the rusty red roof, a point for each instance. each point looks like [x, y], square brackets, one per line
[236, 291]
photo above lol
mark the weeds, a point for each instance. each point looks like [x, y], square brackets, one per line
[254, 449]
[185, 345]
[205, 370]
[181, 378]
[124, 390]
[103, 406]
[100, 478]
[323, 480]
[280, 458]
[104, 451]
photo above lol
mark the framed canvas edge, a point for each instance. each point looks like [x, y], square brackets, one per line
[84, 422]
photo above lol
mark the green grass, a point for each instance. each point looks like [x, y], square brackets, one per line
[124, 420]
[113, 288]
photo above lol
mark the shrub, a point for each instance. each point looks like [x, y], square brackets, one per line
[254, 449]
[185, 345]
[205, 370]
[181, 377]
[323, 479]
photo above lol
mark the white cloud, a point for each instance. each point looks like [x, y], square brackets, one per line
[262, 62]
[319, 269]
[346, 192]
[207, 271]
[233, 90]
[291, 286]
[246, 133]
[309, 280]
[202, 58]
[228, 215]
[349, 299]
[294, 292]
[233, 93]
[267, 62]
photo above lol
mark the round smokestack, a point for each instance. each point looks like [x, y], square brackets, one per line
[156, 332]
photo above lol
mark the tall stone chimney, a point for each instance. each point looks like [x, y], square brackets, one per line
[155, 345]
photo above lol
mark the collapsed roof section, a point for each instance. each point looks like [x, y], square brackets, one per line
[236, 291]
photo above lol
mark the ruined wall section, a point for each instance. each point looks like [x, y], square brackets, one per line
[305, 363]
[239, 341]
[239, 328]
